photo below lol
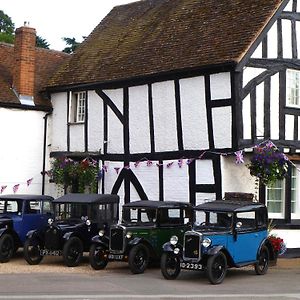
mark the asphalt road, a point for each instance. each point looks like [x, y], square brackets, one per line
[52, 280]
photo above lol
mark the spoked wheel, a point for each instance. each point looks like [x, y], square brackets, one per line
[72, 252]
[98, 257]
[138, 259]
[32, 250]
[262, 266]
[6, 247]
[170, 265]
[217, 268]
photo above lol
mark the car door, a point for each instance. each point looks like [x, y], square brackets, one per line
[244, 244]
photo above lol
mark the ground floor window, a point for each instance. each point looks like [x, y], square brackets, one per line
[275, 196]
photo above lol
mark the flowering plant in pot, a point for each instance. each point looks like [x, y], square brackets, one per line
[76, 174]
[268, 164]
[278, 244]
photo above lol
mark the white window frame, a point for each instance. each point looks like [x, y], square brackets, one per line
[281, 214]
[296, 188]
[293, 88]
[77, 107]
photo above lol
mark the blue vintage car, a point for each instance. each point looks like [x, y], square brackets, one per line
[226, 234]
[18, 215]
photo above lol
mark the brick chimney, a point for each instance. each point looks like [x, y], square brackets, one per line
[24, 70]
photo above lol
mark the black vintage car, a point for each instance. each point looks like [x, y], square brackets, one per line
[145, 227]
[18, 215]
[78, 217]
[226, 234]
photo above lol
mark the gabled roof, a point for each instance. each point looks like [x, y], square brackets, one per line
[46, 62]
[151, 37]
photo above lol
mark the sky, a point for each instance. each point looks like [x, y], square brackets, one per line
[55, 19]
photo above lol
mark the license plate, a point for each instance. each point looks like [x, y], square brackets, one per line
[45, 252]
[191, 266]
[116, 256]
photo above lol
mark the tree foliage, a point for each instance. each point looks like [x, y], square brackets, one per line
[72, 44]
[41, 43]
[6, 24]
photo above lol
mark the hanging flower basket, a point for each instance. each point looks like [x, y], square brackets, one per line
[268, 164]
[69, 173]
[278, 244]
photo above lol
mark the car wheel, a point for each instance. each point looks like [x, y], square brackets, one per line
[72, 252]
[138, 259]
[261, 267]
[98, 257]
[31, 250]
[170, 265]
[6, 247]
[217, 268]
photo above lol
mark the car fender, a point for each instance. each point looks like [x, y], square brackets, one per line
[135, 241]
[100, 240]
[3, 231]
[168, 247]
[268, 244]
[32, 234]
[68, 235]
[214, 250]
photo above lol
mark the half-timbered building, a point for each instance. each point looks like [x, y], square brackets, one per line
[163, 92]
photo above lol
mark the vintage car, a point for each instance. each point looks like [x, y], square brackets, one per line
[18, 215]
[226, 234]
[78, 217]
[145, 227]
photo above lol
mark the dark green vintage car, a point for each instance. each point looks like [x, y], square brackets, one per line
[145, 227]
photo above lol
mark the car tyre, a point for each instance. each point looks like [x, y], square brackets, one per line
[170, 266]
[261, 267]
[98, 257]
[31, 250]
[138, 259]
[6, 247]
[217, 268]
[72, 252]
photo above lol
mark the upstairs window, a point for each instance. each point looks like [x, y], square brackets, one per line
[77, 107]
[293, 88]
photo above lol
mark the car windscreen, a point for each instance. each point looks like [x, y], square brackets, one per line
[65, 211]
[144, 216]
[212, 220]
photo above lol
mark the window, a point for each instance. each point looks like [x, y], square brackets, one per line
[275, 199]
[77, 107]
[295, 193]
[293, 88]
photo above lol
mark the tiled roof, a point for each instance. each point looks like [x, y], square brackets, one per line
[157, 36]
[46, 62]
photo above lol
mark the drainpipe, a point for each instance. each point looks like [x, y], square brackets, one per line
[44, 151]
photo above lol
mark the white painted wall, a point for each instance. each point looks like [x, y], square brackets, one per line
[21, 151]
[222, 126]
[193, 113]
[274, 107]
[95, 128]
[164, 111]
[77, 137]
[115, 143]
[220, 86]
[290, 237]
[204, 171]
[59, 122]
[139, 125]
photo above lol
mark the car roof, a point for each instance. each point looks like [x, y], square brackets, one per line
[87, 198]
[229, 206]
[157, 204]
[26, 197]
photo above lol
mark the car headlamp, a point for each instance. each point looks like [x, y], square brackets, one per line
[50, 221]
[174, 240]
[88, 222]
[176, 250]
[101, 232]
[206, 242]
[129, 235]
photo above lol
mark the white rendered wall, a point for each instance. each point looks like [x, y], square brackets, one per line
[95, 117]
[59, 122]
[193, 113]
[21, 152]
[176, 182]
[204, 172]
[222, 126]
[115, 143]
[164, 112]
[220, 86]
[236, 177]
[77, 137]
[274, 107]
[139, 132]
[290, 237]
